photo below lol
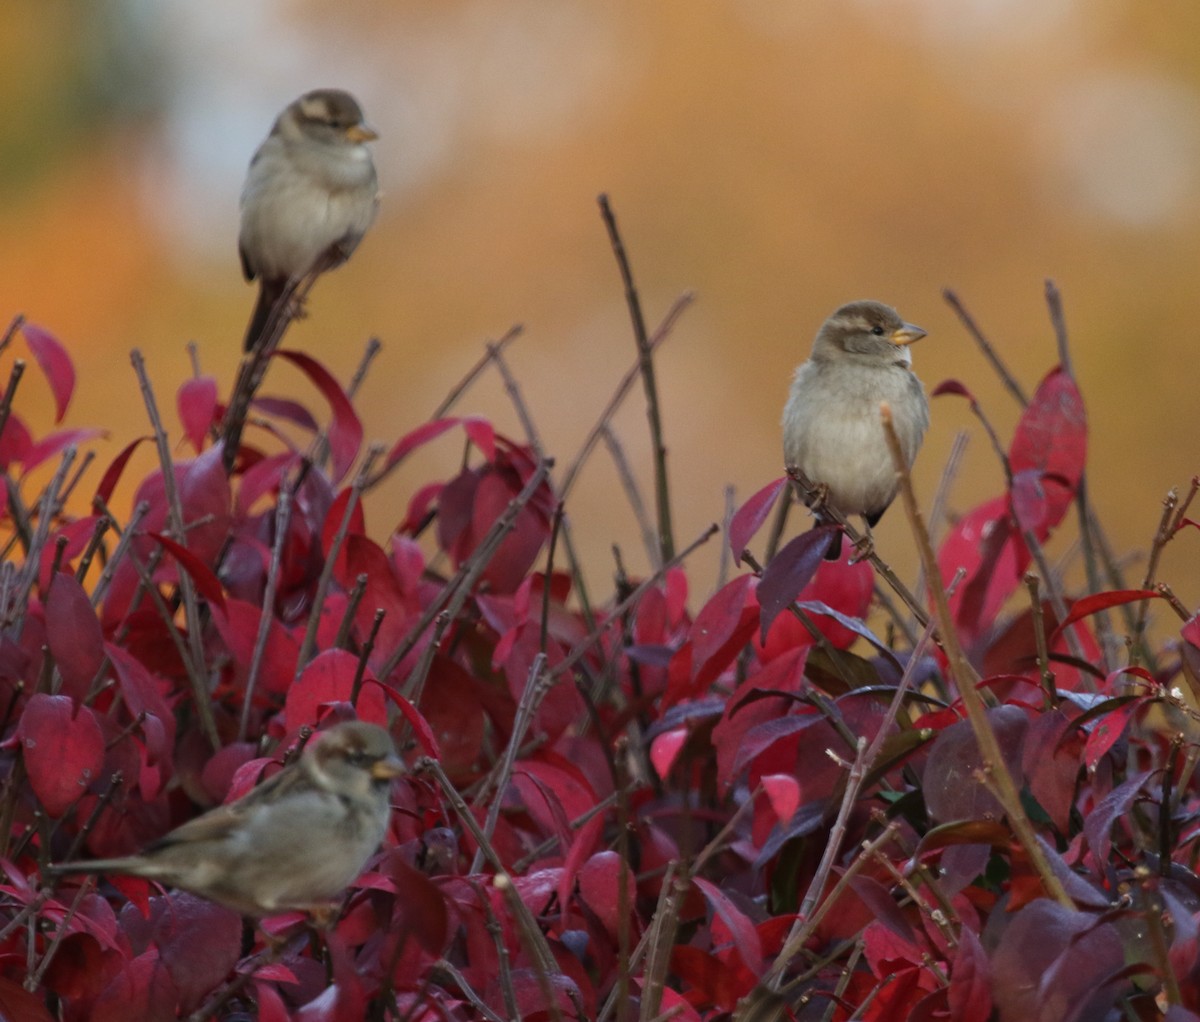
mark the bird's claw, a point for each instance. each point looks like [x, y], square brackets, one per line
[864, 549]
[819, 498]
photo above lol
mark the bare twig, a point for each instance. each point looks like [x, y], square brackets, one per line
[966, 679]
[326, 578]
[633, 496]
[659, 335]
[193, 654]
[666, 538]
[808, 493]
[457, 588]
[283, 517]
[985, 346]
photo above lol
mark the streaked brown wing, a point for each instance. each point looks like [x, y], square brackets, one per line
[217, 823]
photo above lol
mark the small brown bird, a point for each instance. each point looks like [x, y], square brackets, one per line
[293, 843]
[310, 196]
[832, 430]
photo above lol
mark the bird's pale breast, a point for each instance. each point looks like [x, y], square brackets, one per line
[833, 431]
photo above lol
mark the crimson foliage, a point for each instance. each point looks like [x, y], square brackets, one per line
[666, 799]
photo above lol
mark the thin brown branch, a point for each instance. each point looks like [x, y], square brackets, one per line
[656, 339]
[193, 655]
[666, 538]
[966, 680]
[985, 346]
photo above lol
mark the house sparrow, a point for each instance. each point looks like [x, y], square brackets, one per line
[309, 197]
[294, 842]
[832, 430]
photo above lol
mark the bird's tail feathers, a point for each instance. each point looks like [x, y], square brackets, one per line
[131, 866]
[269, 294]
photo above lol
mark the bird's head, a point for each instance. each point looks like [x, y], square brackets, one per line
[866, 331]
[353, 757]
[328, 116]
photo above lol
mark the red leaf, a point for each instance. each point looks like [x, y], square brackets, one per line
[840, 586]
[263, 477]
[745, 936]
[955, 785]
[206, 580]
[480, 431]
[199, 942]
[1109, 728]
[984, 543]
[1050, 443]
[482, 434]
[600, 888]
[970, 993]
[55, 363]
[664, 750]
[329, 679]
[238, 623]
[74, 636]
[345, 430]
[1088, 605]
[723, 626]
[112, 475]
[333, 521]
[783, 791]
[63, 749]
[953, 387]
[15, 442]
[790, 570]
[288, 410]
[1097, 827]
[196, 401]
[18, 1005]
[48, 447]
[142, 694]
[418, 723]
[748, 518]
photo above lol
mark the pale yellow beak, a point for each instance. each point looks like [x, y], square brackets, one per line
[906, 335]
[361, 133]
[388, 768]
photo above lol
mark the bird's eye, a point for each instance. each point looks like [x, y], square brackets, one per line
[877, 330]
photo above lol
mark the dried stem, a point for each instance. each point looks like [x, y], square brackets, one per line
[666, 537]
[10, 391]
[966, 679]
[457, 588]
[326, 578]
[1039, 634]
[492, 349]
[808, 492]
[283, 517]
[193, 654]
[985, 346]
[659, 335]
[633, 496]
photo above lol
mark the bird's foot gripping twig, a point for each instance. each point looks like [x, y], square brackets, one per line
[864, 547]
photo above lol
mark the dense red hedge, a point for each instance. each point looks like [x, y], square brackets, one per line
[645, 804]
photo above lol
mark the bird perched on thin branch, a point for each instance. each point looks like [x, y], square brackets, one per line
[293, 843]
[832, 430]
[310, 195]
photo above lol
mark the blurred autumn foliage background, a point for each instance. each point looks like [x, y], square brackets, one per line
[777, 158]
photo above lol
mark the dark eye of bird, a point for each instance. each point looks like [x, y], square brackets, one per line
[877, 331]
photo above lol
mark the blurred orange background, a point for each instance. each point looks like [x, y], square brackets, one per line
[776, 158]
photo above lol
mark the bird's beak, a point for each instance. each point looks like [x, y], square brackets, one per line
[906, 335]
[388, 768]
[361, 133]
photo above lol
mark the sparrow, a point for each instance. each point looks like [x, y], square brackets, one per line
[309, 197]
[832, 431]
[292, 843]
